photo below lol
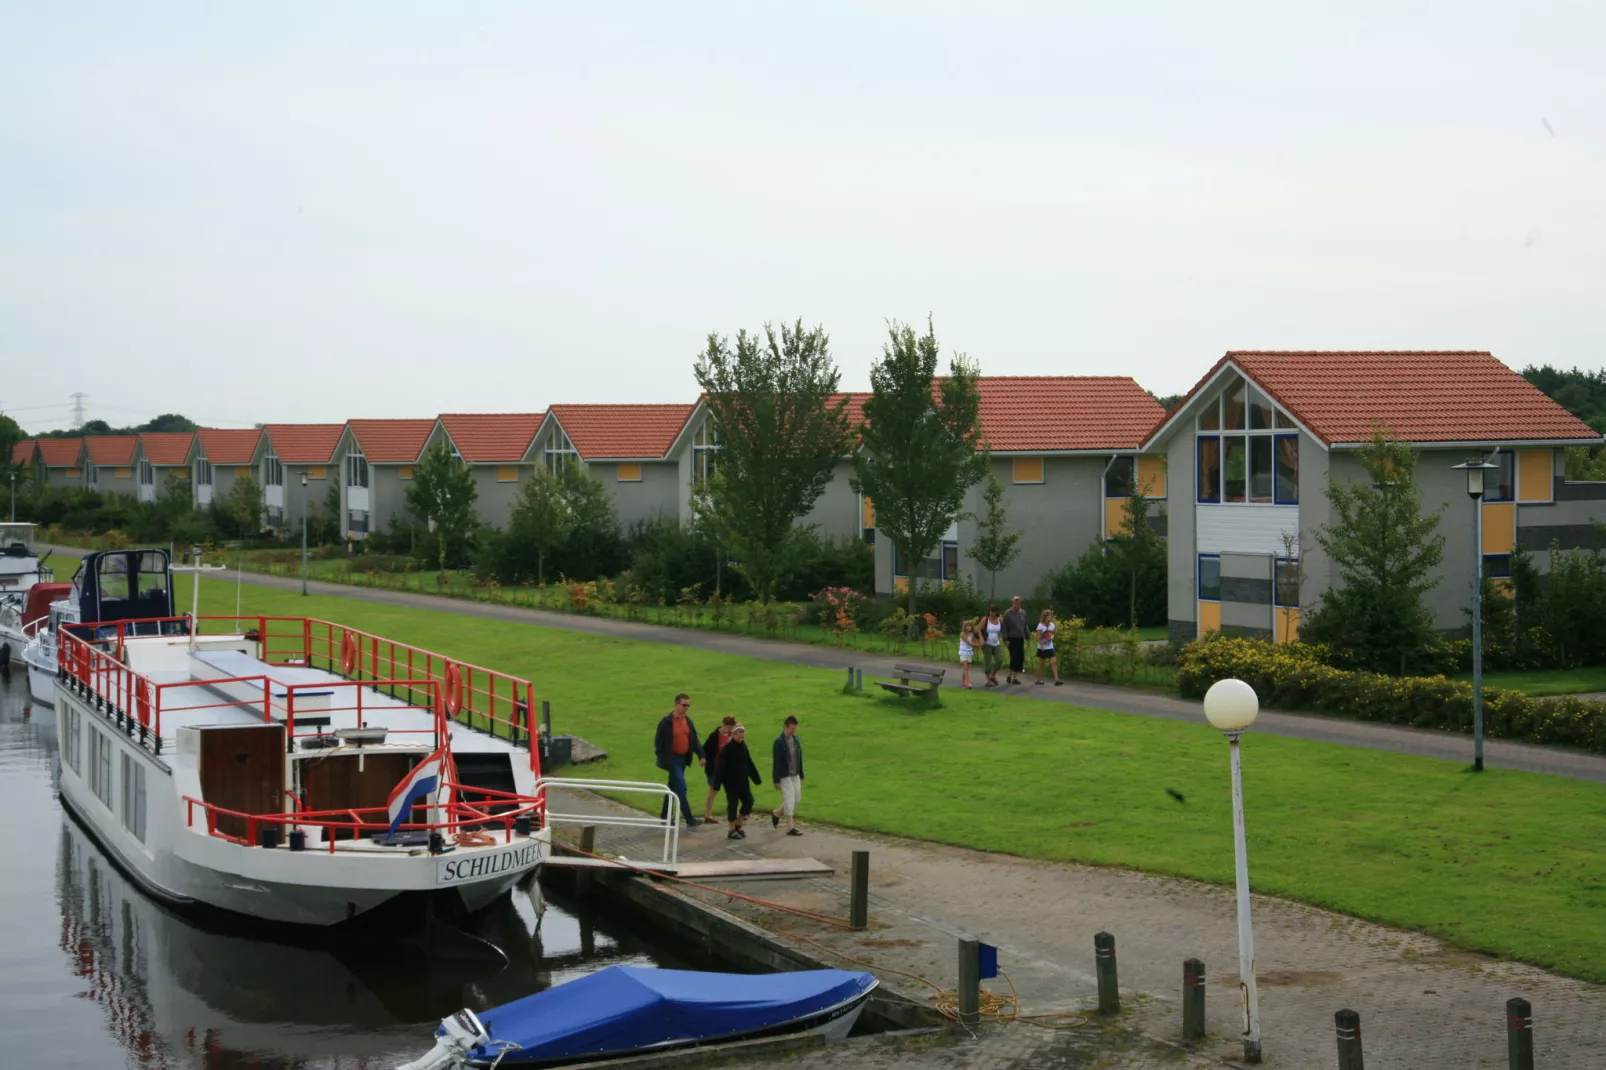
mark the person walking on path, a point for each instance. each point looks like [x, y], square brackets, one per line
[787, 759]
[735, 770]
[1014, 632]
[969, 640]
[1045, 648]
[711, 746]
[675, 744]
[992, 629]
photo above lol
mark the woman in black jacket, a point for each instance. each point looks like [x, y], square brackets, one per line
[735, 769]
[711, 746]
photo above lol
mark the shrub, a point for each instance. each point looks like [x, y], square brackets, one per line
[1295, 677]
[1097, 588]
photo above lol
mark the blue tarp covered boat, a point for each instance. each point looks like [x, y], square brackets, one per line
[630, 1009]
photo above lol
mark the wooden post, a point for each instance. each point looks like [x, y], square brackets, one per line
[850, 679]
[1520, 1034]
[1193, 1000]
[588, 844]
[1348, 1026]
[859, 895]
[969, 983]
[1104, 962]
[858, 679]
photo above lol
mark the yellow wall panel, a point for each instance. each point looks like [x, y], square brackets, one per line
[404, 472]
[316, 472]
[1028, 470]
[1114, 516]
[630, 473]
[1499, 527]
[1209, 617]
[1287, 624]
[1151, 475]
[867, 513]
[242, 472]
[1533, 476]
[122, 473]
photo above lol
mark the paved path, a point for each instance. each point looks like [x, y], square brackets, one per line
[1430, 744]
[1423, 1005]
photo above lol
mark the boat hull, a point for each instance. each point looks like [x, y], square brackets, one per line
[41, 681]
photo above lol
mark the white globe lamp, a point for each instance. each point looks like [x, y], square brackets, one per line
[1231, 705]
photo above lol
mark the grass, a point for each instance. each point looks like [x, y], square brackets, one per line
[1541, 682]
[1503, 862]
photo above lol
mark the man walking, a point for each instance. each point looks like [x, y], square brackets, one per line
[675, 743]
[1015, 638]
[787, 760]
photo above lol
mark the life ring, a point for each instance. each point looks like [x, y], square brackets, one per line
[142, 702]
[474, 839]
[452, 689]
[348, 652]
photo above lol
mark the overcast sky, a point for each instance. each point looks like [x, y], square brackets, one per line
[309, 212]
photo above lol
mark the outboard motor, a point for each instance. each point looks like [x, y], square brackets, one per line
[456, 1037]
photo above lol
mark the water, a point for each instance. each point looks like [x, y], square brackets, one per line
[94, 974]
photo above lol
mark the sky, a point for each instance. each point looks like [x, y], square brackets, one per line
[311, 212]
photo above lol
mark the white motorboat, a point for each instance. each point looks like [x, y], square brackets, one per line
[46, 608]
[20, 569]
[292, 770]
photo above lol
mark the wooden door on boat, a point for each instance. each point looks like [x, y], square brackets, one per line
[342, 781]
[242, 769]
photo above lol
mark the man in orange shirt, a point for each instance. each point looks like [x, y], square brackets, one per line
[675, 744]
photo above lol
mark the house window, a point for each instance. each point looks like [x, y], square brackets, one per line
[505, 473]
[559, 450]
[1209, 577]
[1500, 485]
[630, 473]
[272, 470]
[357, 521]
[704, 448]
[1255, 465]
[1209, 468]
[1285, 589]
[1028, 470]
[203, 472]
[147, 474]
[91, 474]
[1287, 460]
[70, 745]
[356, 470]
[1497, 566]
[133, 771]
[942, 565]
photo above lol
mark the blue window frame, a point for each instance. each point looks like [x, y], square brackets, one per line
[1209, 577]
[1497, 566]
[1285, 583]
[944, 565]
[1501, 484]
[1208, 470]
[1285, 449]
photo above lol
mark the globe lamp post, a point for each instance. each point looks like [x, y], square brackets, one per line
[1231, 707]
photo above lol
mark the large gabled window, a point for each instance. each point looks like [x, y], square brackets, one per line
[356, 469]
[704, 452]
[272, 470]
[559, 450]
[1246, 450]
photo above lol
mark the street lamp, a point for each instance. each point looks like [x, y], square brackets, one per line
[1231, 707]
[303, 533]
[1475, 469]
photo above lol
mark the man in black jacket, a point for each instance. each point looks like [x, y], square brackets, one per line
[675, 743]
[786, 760]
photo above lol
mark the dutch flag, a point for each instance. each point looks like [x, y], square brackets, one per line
[421, 782]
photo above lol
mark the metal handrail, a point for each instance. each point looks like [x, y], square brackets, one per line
[669, 822]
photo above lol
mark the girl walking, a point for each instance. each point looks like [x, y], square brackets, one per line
[969, 639]
[736, 768]
[992, 630]
[1045, 648]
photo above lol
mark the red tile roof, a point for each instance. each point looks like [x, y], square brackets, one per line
[484, 438]
[22, 452]
[111, 449]
[304, 443]
[609, 431]
[229, 446]
[1449, 396]
[61, 452]
[391, 441]
[1065, 412]
[166, 447]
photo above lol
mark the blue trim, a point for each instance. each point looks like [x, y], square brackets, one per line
[1198, 577]
[1275, 440]
[1497, 566]
[1276, 588]
[1198, 452]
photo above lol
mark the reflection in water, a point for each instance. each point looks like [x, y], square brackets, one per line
[170, 992]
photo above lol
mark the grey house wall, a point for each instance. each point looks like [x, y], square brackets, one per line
[109, 482]
[494, 499]
[1182, 592]
[657, 494]
[58, 477]
[295, 499]
[1246, 595]
[836, 512]
[1572, 520]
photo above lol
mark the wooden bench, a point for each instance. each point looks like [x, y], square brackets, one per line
[914, 680]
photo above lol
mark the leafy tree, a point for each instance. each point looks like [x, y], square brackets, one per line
[242, 507]
[10, 434]
[542, 516]
[327, 529]
[922, 445]
[996, 546]
[1384, 549]
[1137, 550]
[442, 493]
[594, 546]
[781, 437]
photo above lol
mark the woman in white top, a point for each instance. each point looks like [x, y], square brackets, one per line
[992, 648]
[1045, 648]
[969, 639]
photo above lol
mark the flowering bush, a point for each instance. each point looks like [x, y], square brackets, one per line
[840, 609]
[1293, 677]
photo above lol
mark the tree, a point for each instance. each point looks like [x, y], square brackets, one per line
[1384, 550]
[1138, 549]
[442, 494]
[922, 447]
[243, 506]
[594, 546]
[11, 433]
[543, 516]
[782, 431]
[327, 530]
[996, 546]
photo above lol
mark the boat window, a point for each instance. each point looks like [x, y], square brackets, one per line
[133, 778]
[113, 576]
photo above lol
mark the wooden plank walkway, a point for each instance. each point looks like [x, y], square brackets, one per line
[734, 869]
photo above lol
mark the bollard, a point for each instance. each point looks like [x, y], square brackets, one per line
[858, 679]
[1193, 999]
[859, 893]
[1348, 1026]
[849, 686]
[546, 717]
[969, 983]
[1520, 1034]
[588, 844]
[1104, 961]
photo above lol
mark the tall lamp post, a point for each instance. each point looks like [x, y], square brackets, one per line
[1475, 469]
[1231, 707]
[303, 533]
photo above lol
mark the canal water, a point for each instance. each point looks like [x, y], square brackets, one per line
[94, 974]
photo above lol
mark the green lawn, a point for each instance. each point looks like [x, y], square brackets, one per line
[1504, 862]
[1541, 682]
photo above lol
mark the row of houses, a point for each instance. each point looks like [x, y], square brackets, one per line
[1237, 471]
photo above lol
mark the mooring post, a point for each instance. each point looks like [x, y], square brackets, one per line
[1348, 1026]
[858, 679]
[969, 983]
[1520, 1034]
[588, 844]
[1104, 961]
[859, 893]
[849, 686]
[1193, 999]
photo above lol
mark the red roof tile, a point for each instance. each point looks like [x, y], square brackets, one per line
[61, 452]
[111, 449]
[1451, 396]
[391, 441]
[607, 431]
[1065, 412]
[22, 452]
[304, 443]
[228, 445]
[166, 447]
[484, 438]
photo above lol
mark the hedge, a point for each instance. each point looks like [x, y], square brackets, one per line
[1294, 677]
